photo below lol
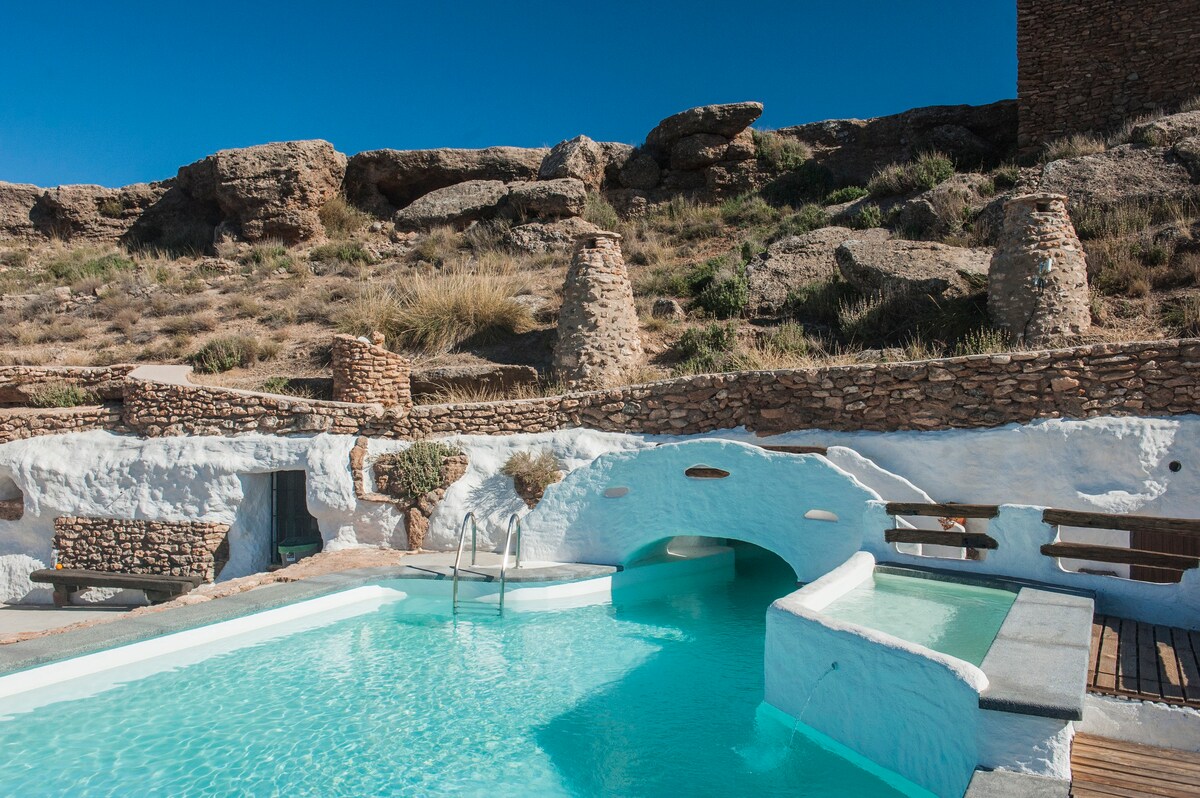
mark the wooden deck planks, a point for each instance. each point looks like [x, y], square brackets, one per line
[1113, 769]
[1147, 661]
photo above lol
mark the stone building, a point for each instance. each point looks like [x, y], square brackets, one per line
[1037, 283]
[599, 338]
[1087, 65]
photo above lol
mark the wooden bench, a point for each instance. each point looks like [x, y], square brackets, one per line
[157, 588]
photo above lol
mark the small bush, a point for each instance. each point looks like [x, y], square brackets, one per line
[60, 394]
[1006, 176]
[600, 213]
[726, 297]
[341, 252]
[846, 194]
[786, 340]
[438, 246]
[809, 182]
[229, 352]
[1072, 146]
[818, 302]
[81, 264]
[778, 153]
[189, 324]
[267, 258]
[926, 171]
[808, 218]
[1190, 104]
[283, 386]
[983, 341]
[15, 258]
[533, 473]
[703, 350]
[747, 210]
[342, 219]
[687, 219]
[418, 469]
[1183, 316]
[110, 208]
[867, 217]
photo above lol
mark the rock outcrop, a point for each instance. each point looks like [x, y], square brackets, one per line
[580, 158]
[16, 205]
[599, 337]
[796, 261]
[1037, 286]
[1127, 174]
[539, 237]
[559, 198]
[272, 191]
[384, 181]
[974, 136]
[894, 266]
[456, 205]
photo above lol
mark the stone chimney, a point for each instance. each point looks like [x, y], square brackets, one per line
[366, 373]
[1037, 283]
[599, 338]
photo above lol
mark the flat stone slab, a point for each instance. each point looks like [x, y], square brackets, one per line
[1038, 663]
[1006, 784]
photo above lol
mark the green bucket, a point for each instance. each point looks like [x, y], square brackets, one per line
[292, 550]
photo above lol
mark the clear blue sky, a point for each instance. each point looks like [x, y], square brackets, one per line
[115, 92]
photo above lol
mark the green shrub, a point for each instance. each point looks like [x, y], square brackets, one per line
[818, 302]
[60, 394]
[788, 339]
[687, 219]
[600, 213]
[1072, 146]
[725, 298]
[1183, 316]
[778, 153]
[229, 352]
[1006, 176]
[747, 210]
[704, 350]
[284, 386]
[809, 182]
[341, 252]
[267, 258]
[867, 217]
[982, 341]
[110, 208]
[926, 171]
[808, 218]
[418, 469]
[81, 264]
[846, 194]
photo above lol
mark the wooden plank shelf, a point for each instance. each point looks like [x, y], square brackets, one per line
[937, 537]
[950, 510]
[1103, 768]
[1186, 527]
[1114, 554]
[821, 450]
[1144, 661]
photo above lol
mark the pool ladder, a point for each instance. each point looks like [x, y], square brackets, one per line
[514, 529]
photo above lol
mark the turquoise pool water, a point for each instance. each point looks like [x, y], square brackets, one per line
[651, 696]
[957, 619]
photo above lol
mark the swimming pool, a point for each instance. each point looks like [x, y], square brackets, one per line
[656, 694]
[954, 618]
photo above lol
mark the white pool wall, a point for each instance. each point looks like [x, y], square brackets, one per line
[897, 703]
[1144, 722]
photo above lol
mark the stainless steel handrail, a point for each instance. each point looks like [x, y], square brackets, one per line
[462, 539]
[514, 523]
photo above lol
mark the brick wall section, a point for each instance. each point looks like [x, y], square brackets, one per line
[1146, 379]
[17, 424]
[367, 373]
[17, 382]
[1089, 64]
[142, 547]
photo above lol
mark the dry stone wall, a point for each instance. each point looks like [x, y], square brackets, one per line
[1146, 379]
[184, 548]
[365, 372]
[1037, 283]
[1090, 64]
[18, 384]
[29, 423]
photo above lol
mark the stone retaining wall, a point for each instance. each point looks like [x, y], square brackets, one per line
[1087, 65]
[1145, 379]
[17, 383]
[17, 424]
[142, 547]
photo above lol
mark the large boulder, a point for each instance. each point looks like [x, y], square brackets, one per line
[974, 136]
[726, 121]
[1127, 174]
[797, 261]
[271, 191]
[946, 208]
[556, 236]
[698, 151]
[547, 199]
[93, 213]
[1188, 153]
[640, 172]
[580, 158]
[1167, 130]
[897, 267]
[16, 203]
[456, 205]
[384, 181]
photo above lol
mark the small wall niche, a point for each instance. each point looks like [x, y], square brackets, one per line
[12, 500]
[705, 472]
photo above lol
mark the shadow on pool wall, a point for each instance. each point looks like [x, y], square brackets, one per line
[623, 505]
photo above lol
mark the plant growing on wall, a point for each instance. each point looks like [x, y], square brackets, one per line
[533, 473]
[417, 470]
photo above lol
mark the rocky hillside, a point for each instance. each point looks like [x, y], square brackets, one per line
[845, 239]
